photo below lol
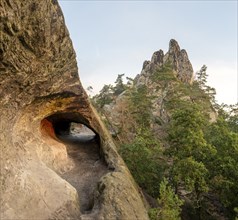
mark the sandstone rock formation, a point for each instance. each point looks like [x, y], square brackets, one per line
[183, 73]
[40, 92]
[178, 58]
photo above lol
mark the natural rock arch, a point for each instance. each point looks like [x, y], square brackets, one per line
[39, 78]
[62, 121]
[87, 161]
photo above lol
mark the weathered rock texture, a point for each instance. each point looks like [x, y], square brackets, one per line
[178, 58]
[169, 79]
[182, 71]
[38, 79]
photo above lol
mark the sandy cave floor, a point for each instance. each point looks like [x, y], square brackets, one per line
[88, 169]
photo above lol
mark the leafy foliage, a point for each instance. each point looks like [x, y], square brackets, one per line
[192, 174]
[169, 202]
[207, 91]
[202, 77]
[198, 156]
[141, 106]
[108, 92]
[186, 136]
[224, 166]
[104, 97]
[119, 85]
[189, 152]
[164, 75]
[142, 157]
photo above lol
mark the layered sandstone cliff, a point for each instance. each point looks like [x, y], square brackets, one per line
[39, 90]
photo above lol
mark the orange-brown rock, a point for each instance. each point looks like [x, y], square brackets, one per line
[39, 91]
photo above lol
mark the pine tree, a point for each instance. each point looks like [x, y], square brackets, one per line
[169, 203]
[189, 152]
[141, 106]
[207, 91]
[104, 97]
[224, 165]
[142, 157]
[202, 76]
[119, 85]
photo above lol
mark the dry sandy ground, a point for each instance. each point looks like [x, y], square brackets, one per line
[88, 169]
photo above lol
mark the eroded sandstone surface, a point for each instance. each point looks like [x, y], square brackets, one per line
[40, 92]
[176, 57]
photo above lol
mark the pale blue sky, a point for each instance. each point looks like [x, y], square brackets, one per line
[114, 37]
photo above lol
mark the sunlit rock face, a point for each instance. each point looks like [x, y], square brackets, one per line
[181, 69]
[39, 89]
[176, 57]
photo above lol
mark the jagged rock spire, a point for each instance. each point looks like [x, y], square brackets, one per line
[174, 48]
[158, 57]
[180, 61]
[178, 58]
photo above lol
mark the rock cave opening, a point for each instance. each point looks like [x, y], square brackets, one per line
[83, 147]
[71, 124]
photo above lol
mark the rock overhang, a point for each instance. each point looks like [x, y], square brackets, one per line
[39, 79]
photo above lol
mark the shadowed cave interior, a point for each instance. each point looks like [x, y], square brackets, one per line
[83, 147]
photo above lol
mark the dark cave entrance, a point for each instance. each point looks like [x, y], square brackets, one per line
[72, 125]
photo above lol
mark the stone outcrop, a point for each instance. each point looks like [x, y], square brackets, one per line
[182, 70]
[39, 89]
[169, 79]
[178, 58]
